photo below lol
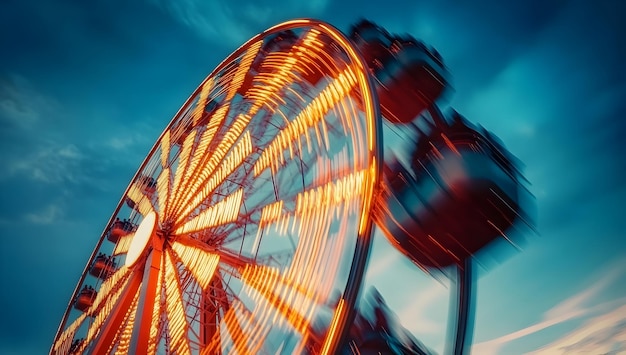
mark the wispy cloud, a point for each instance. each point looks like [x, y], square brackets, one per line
[604, 334]
[20, 104]
[47, 215]
[51, 163]
[571, 308]
[235, 22]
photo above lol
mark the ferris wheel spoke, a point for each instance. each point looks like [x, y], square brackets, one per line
[111, 315]
[123, 337]
[223, 255]
[312, 116]
[122, 245]
[275, 71]
[163, 192]
[178, 326]
[183, 160]
[65, 340]
[223, 212]
[214, 174]
[199, 110]
[200, 155]
[202, 264]
[278, 296]
[242, 69]
[139, 195]
[165, 148]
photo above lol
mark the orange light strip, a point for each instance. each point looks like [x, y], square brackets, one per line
[273, 287]
[163, 192]
[123, 340]
[197, 190]
[334, 193]
[271, 213]
[141, 200]
[225, 211]
[237, 336]
[284, 63]
[155, 325]
[233, 161]
[177, 320]
[183, 159]
[111, 284]
[200, 154]
[63, 344]
[200, 263]
[123, 244]
[104, 309]
[242, 69]
[165, 148]
[309, 117]
[198, 111]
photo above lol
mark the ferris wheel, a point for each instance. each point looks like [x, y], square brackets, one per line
[247, 227]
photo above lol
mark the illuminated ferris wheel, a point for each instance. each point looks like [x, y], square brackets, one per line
[247, 227]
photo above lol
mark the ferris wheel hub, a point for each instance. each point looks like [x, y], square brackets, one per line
[141, 239]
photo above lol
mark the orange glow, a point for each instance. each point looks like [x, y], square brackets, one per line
[273, 287]
[62, 345]
[239, 339]
[183, 159]
[123, 244]
[156, 313]
[199, 158]
[200, 263]
[165, 148]
[309, 117]
[275, 72]
[202, 101]
[177, 320]
[142, 202]
[163, 191]
[199, 189]
[109, 286]
[225, 211]
[104, 309]
[123, 339]
[242, 69]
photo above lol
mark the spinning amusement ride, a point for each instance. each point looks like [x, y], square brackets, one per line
[248, 226]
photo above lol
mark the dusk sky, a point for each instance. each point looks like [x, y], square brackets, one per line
[87, 87]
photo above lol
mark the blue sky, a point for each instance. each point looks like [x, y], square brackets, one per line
[86, 88]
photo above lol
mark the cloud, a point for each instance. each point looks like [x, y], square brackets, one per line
[51, 163]
[47, 215]
[568, 309]
[20, 104]
[236, 22]
[604, 334]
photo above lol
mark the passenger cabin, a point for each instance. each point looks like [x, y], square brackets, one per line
[103, 266]
[148, 185]
[409, 76]
[85, 298]
[461, 192]
[119, 229]
[76, 345]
